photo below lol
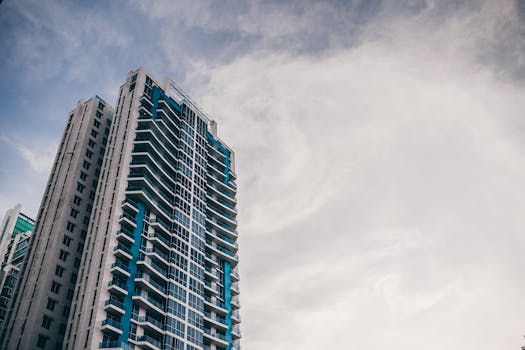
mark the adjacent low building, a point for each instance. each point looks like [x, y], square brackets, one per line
[15, 233]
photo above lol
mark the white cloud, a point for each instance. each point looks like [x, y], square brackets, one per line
[379, 195]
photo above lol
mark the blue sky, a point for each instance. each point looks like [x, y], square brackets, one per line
[379, 149]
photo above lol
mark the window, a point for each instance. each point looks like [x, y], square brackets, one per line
[83, 234]
[100, 106]
[70, 226]
[55, 287]
[41, 342]
[89, 208]
[59, 270]
[73, 278]
[80, 248]
[97, 172]
[91, 143]
[46, 322]
[80, 187]
[98, 114]
[77, 200]
[77, 262]
[51, 304]
[89, 153]
[92, 195]
[63, 255]
[96, 123]
[73, 213]
[86, 220]
[94, 133]
[70, 293]
[94, 183]
[65, 312]
[83, 175]
[67, 240]
[86, 165]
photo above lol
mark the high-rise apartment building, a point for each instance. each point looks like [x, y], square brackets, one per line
[40, 308]
[15, 232]
[159, 269]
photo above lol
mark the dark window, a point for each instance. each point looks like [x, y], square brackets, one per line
[73, 278]
[46, 322]
[91, 143]
[92, 195]
[86, 220]
[94, 133]
[80, 248]
[67, 240]
[80, 187]
[73, 213]
[63, 255]
[70, 293]
[51, 304]
[83, 175]
[70, 226]
[41, 342]
[101, 106]
[83, 234]
[55, 287]
[89, 153]
[86, 165]
[98, 114]
[77, 200]
[77, 262]
[59, 270]
[96, 123]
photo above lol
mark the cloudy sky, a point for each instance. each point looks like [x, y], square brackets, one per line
[380, 151]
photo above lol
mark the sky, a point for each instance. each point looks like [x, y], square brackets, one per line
[380, 151]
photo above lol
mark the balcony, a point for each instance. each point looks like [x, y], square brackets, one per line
[112, 326]
[216, 338]
[116, 345]
[213, 274]
[147, 301]
[163, 242]
[158, 255]
[218, 322]
[148, 342]
[114, 305]
[125, 235]
[154, 268]
[236, 304]
[235, 276]
[236, 332]
[228, 196]
[152, 284]
[123, 252]
[218, 226]
[208, 285]
[128, 220]
[120, 269]
[223, 204]
[216, 305]
[223, 239]
[150, 323]
[222, 252]
[118, 287]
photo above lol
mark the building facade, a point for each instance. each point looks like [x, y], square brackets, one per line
[41, 303]
[15, 232]
[159, 269]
